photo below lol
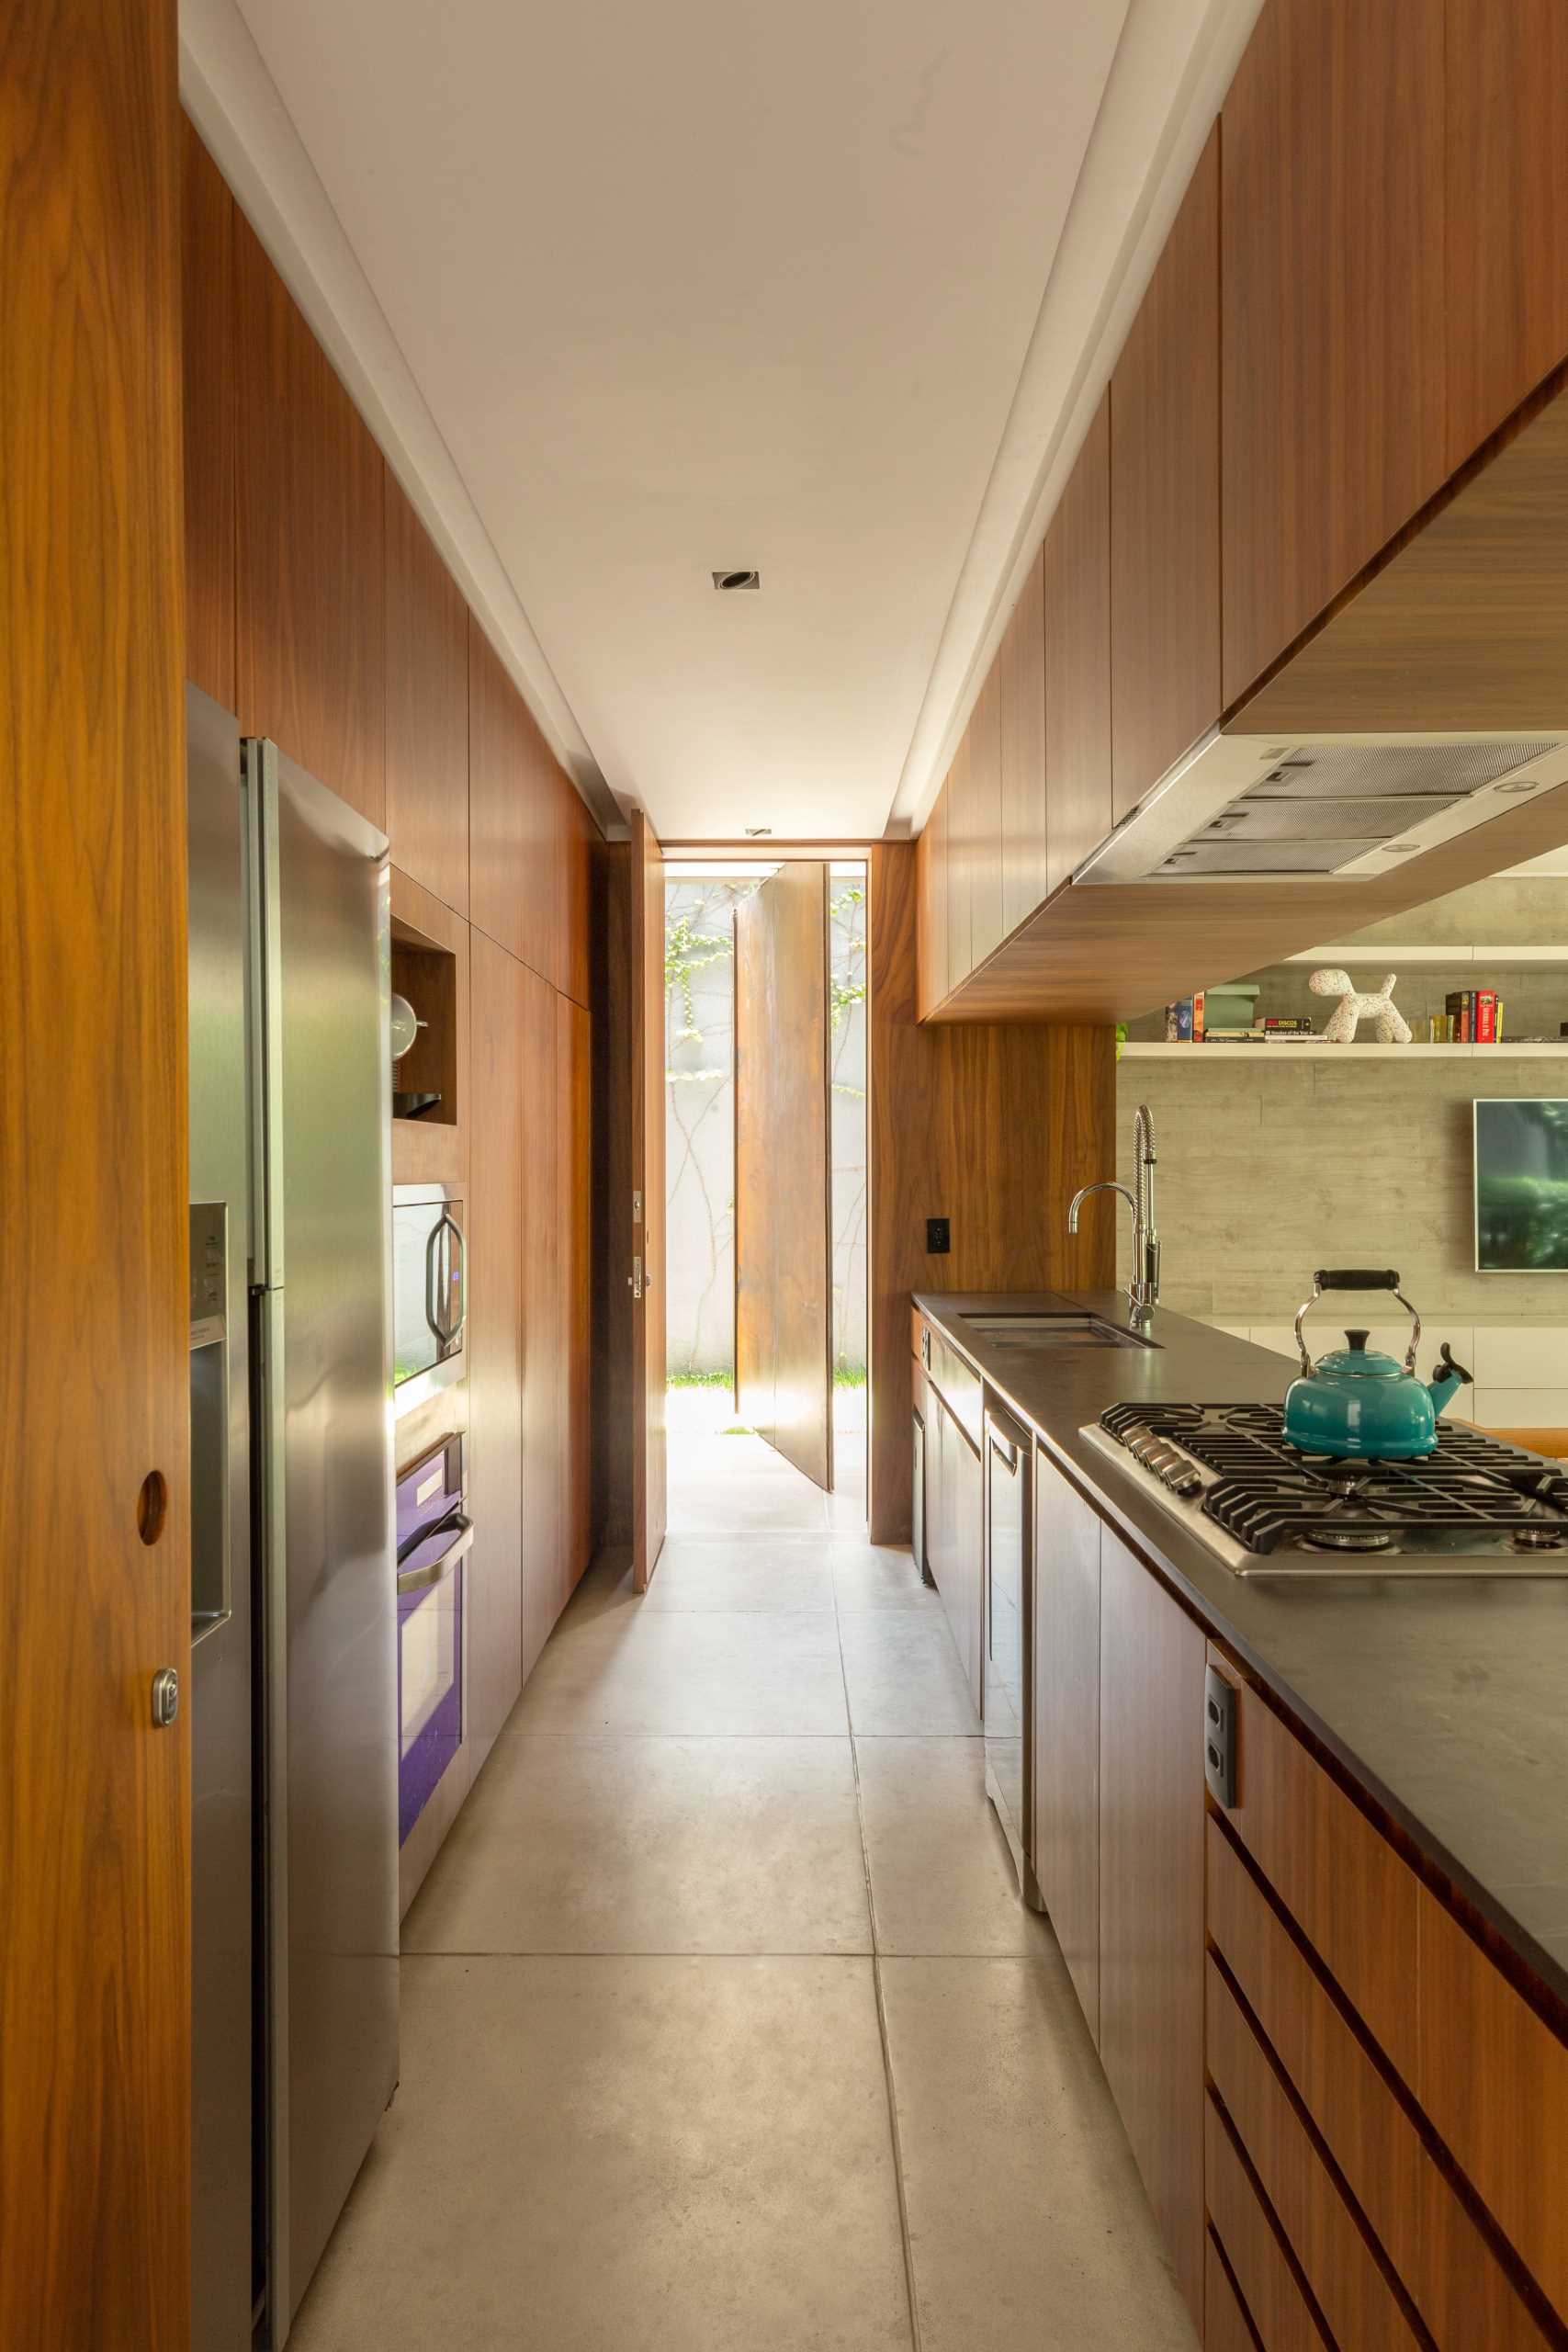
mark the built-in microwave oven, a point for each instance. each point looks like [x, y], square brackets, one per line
[430, 1291]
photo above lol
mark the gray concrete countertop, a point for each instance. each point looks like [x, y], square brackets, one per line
[1447, 1699]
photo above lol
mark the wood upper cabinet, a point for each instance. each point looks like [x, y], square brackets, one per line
[959, 868]
[1332, 366]
[310, 564]
[983, 769]
[1078, 659]
[514, 819]
[206, 223]
[1151, 1893]
[1165, 505]
[1507, 208]
[1067, 1723]
[427, 709]
[930, 911]
[1022, 664]
[579, 836]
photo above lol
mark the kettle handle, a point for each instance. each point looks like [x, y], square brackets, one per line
[1356, 1278]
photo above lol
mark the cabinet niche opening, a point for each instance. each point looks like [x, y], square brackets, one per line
[426, 973]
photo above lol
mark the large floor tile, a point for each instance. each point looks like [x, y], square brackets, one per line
[689, 1672]
[903, 1676]
[611, 1845]
[746, 1573]
[942, 1878]
[1028, 2223]
[741, 1486]
[687, 2155]
[879, 1576]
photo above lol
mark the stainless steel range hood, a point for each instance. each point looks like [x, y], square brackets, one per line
[1254, 809]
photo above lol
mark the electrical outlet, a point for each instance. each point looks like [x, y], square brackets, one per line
[939, 1236]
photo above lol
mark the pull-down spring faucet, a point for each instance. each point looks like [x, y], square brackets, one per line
[1142, 1290]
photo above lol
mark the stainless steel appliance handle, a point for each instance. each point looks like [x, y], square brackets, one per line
[455, 1231]
[432, 1284]
[419, 1579]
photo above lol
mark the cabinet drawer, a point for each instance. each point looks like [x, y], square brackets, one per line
[1280, 2310]
[1359, 2305]
[1447, 2267]
[1333, 1871]
[960, 1386]
[1225, 2327]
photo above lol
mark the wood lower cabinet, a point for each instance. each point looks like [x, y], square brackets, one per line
[1151, 1893]
[1067, 1723]
[954, 1529]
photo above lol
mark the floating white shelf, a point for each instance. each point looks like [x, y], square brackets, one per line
[1428, 958]
[1318, 1049]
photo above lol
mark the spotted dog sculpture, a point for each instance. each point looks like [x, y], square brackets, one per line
[1355, 1006]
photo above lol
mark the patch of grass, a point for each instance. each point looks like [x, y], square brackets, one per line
[700, 1380]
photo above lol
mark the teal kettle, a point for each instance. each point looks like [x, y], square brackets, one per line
[1361, 1406]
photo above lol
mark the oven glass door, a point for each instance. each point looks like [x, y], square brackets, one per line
[429, 1292]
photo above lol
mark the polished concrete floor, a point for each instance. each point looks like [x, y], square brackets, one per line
[723, 2028]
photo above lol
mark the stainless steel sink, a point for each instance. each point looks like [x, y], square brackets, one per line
[1026, 1330]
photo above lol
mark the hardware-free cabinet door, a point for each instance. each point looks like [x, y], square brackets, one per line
[543, 1441]
[1078, 659]
[1331, 342]
[1507, 208]
[960, 868]
[514, 821]
[310, 558]
[1151, 1893]
[1022, 666]
[427, 709]
[1164, 503]
[574, 1193]
[504, 1113]
[983, 769]
[930, 918]
[1067, 1723]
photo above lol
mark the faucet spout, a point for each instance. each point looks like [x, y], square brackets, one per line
[1142, 1290]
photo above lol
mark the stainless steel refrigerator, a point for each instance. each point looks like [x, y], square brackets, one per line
[294, 1606]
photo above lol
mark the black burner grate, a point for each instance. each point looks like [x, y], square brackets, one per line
[1267, 1494]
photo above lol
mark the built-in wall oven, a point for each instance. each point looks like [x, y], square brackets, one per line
[433, 1539]
[1009, 1599]
[430, 1291]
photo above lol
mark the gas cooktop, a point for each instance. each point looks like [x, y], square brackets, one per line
[1475, 1506]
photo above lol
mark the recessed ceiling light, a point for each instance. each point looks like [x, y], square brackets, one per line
[730, 579]
[755, 832]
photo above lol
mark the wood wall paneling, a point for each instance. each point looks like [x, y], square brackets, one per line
[1507, 148]
[503, 1125]
[984, 737]
[431, 968]
[645, 973]
[1151, 1894]
[207, 211]
[1331, 306]
[310, 570]
[95, 1982]
[1164, 503]
[514, 817]
[931, 877]
[427, 708]
[1078, 659]
[1022, 664]
[995, 1128]
[574, 1079]
[579, 839]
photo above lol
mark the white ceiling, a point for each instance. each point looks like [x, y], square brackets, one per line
[706, 284]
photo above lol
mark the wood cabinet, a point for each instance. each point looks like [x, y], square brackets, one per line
[954, 1529]
[1332, 369]
[1151, 1893]
[310, 562]
[503, 1122]
[427, 709]
[1078, 659]
[574, 1276]
[514, 819]
[208, 359]
[544, 1443]
[1165, 505]
[959, 932]
[983, 769]
[430, 968]
[1507, 149]
[1022, 665]
[1067, 1723]
[579, 839]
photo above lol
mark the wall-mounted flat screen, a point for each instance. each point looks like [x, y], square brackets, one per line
[1521, 1187]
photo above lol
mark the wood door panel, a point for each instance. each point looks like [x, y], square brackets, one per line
[95, 1818]
[1347, 2281]
[1067, 1723]
[1022, 663]
[514, 843]
[500, 1128]
[1451, 2273]
[544, 1435]
[1165, 506]
[783, 1274]
[931, 868]
[1078, 659]
[1151, 1893]
[612, 1205]
[427, 708]
[209, 360]
[575, 1052]
[958, 933]
[984, 770]
[580, 838]
[646, 964]
[1507, 149]
[1331, 307]
[310, 556]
